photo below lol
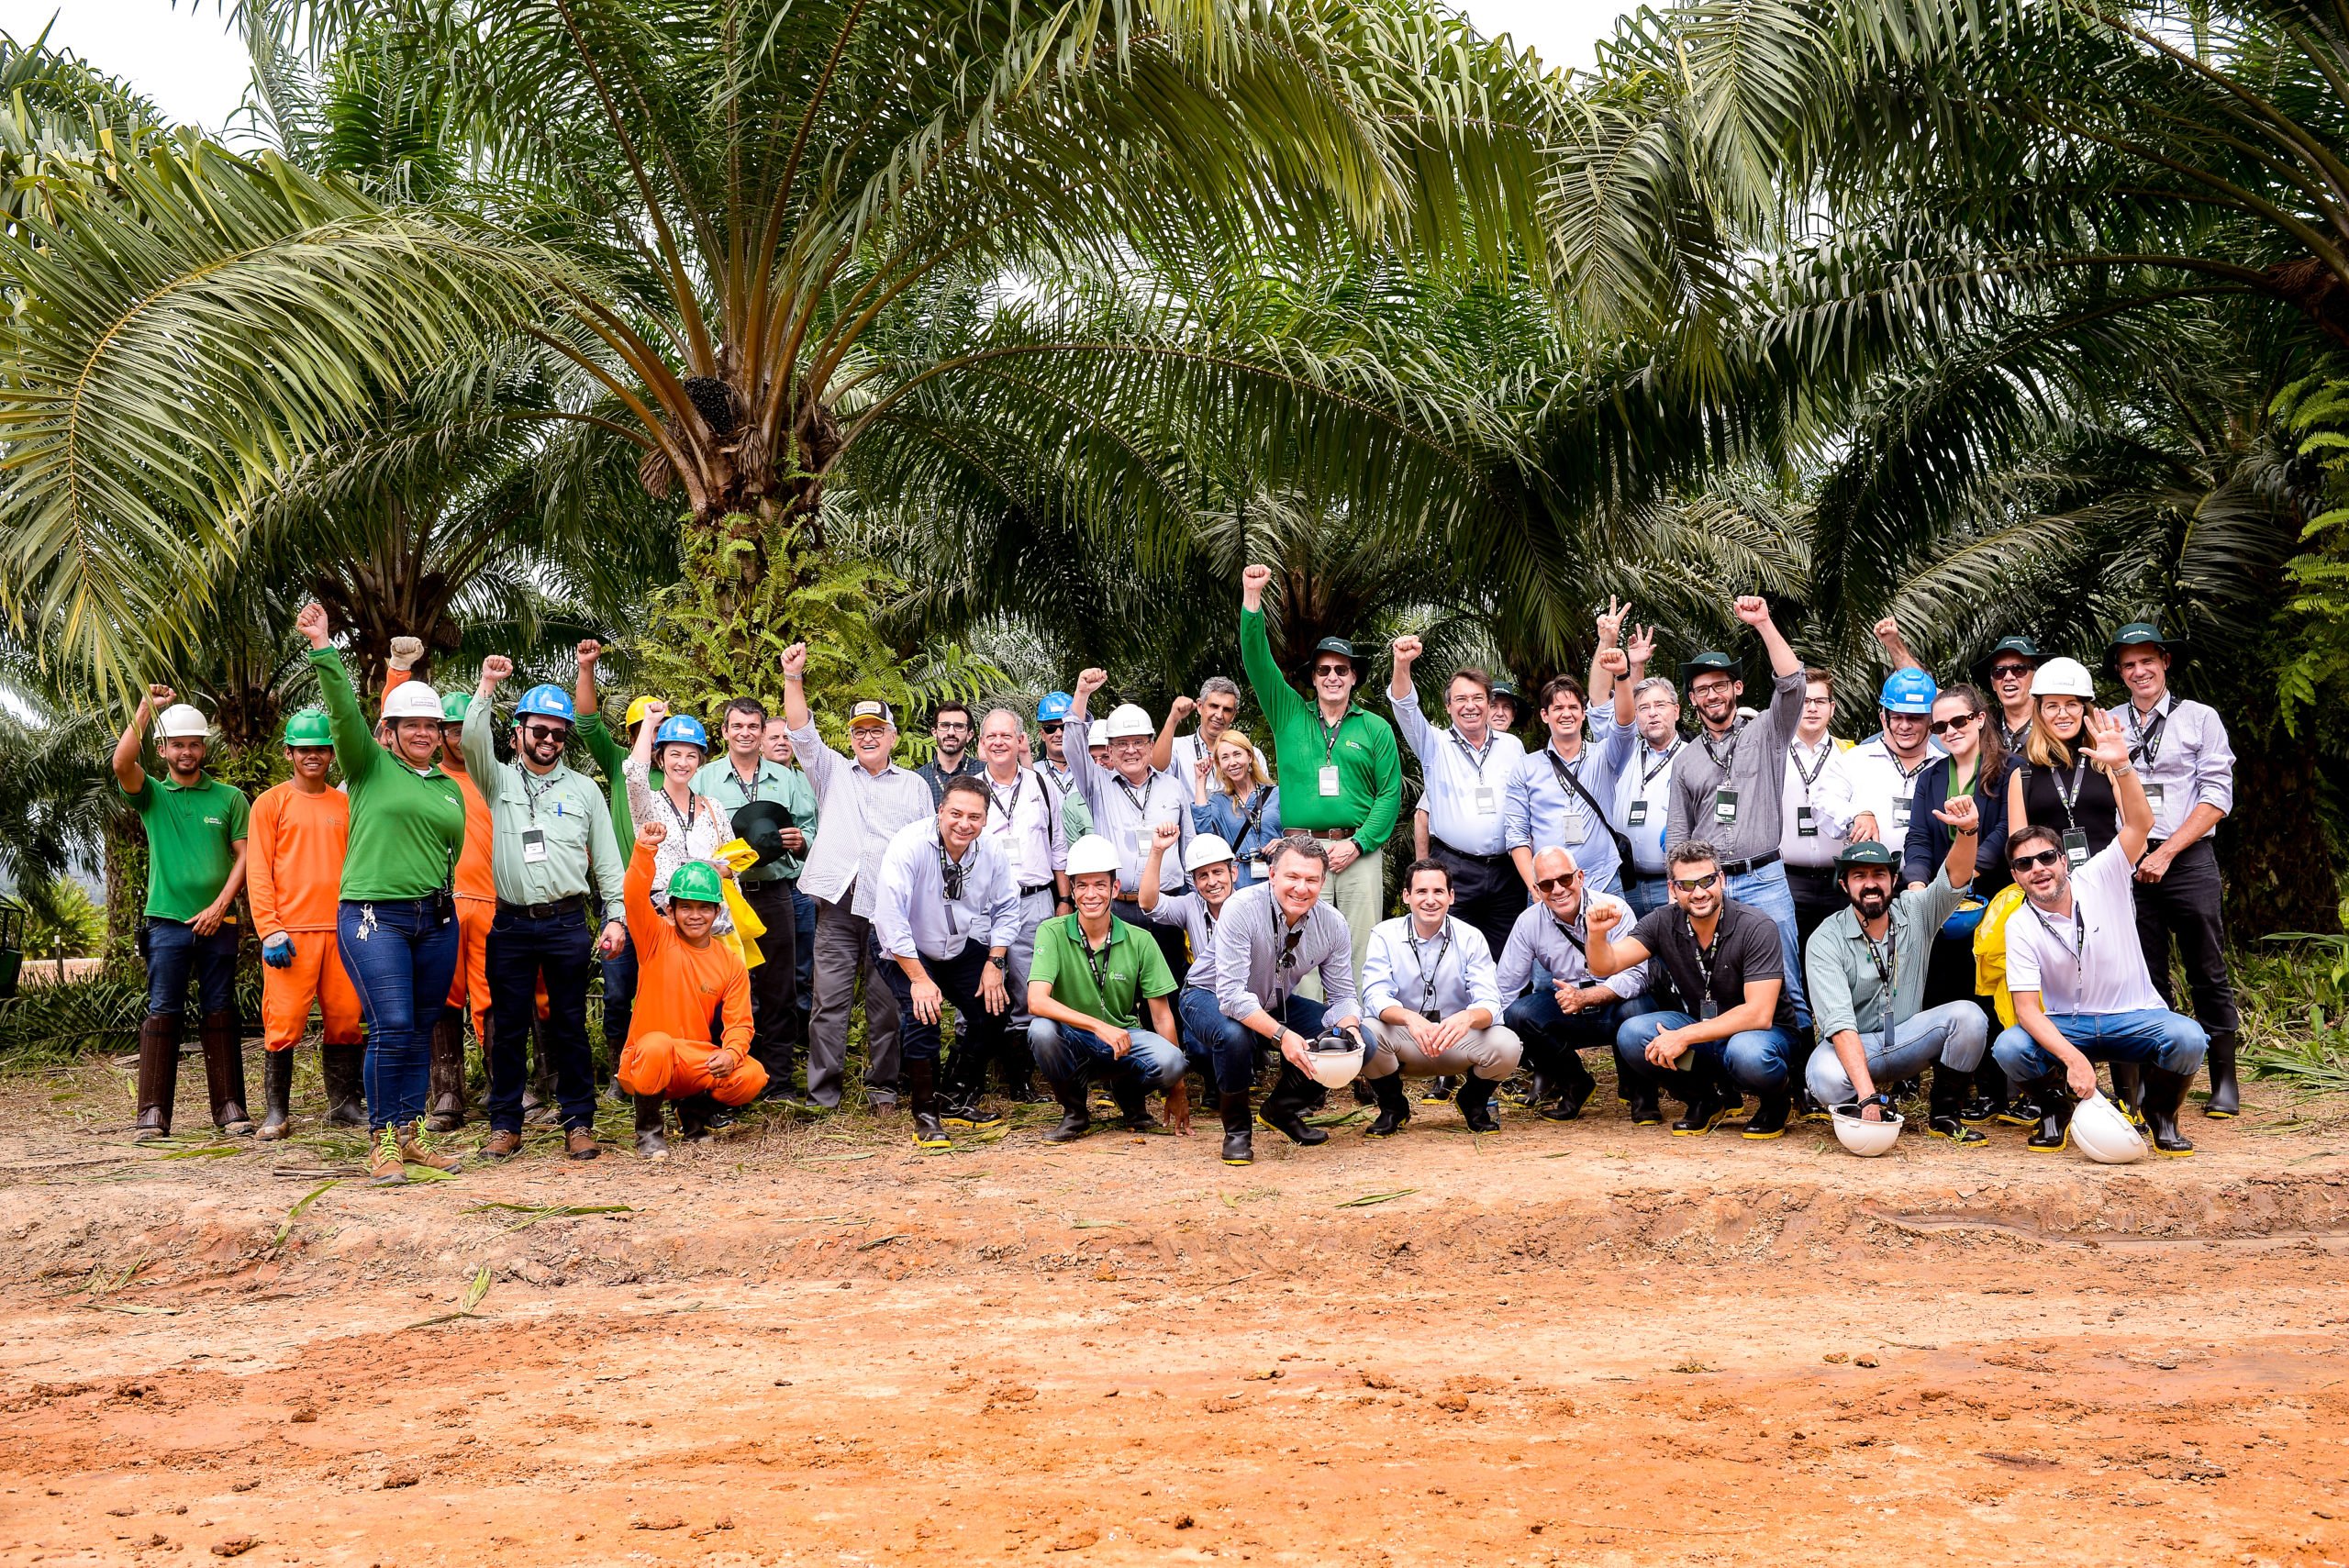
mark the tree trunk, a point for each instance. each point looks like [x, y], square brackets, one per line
[126, 864]
[2280, 876]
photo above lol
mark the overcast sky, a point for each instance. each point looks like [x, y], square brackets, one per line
[181, 58]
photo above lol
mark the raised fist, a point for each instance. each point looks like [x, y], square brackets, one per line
[405, 651]
[1601, 918]
[655, 710]
[312, 622]
[1887, 631]
[1091, 680]
[1753, 609]
[161, 697]
[795, 662]
[651, 835]
[1615, 661]
[496, 668]
[1252, 586]
[589, 651]
[1182, 708]
[1163, 835]
[1408, 651]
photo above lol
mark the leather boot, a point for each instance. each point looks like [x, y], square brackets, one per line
[1393, 1106]
[2129, 1091]
[921, 1085]
[2054, 1101]
[444, 1100]
[344, 1067]
[277, 1093]
[1475, 1100]
[2226, 1099]
[1238, 1129]
[650, 1141]
[1077, 1119]
[1284, 1107]
[416, 1148]
[159, 1074]
[538, 1106]
[224, 1071]
[2165, 1096]
[1944, 1110]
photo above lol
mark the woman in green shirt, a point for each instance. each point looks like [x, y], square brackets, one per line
[396, 929]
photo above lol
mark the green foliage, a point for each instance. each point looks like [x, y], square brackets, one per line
[2315, 672]
[2296, 1023]
[719, 633]
[63, 921]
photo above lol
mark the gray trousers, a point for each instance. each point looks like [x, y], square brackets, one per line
[1034, 910]
[843, 952]
[1954, 1035]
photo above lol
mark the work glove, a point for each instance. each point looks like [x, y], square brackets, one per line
[405, 651]
[278, 951]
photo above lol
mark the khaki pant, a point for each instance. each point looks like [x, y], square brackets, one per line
[1490, 1053]
[1359, 894]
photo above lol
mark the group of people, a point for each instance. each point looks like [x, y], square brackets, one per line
[1753, 909]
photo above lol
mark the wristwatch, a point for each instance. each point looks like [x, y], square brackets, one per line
[1878, 1098]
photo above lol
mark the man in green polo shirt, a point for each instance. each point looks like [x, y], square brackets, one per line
[1341, 774]
[195, 868]
[1085, 986]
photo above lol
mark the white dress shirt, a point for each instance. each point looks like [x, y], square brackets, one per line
[1466, 788]
[1125, 813]
[1023, 817]
[857, 814]
[1538, 938]
[1434, 976]
[1818, 781]
[2183, 757]
[1883, 783]
[915, 918]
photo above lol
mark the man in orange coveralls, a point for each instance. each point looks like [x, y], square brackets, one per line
[294, 875]
[691, 1032]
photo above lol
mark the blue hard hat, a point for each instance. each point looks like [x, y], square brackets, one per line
[1054, 708]
[545, 702]
[1908, 690]
[682, 728]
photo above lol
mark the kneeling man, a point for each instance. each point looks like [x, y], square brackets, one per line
[2082, 992]
[1091, 973]
[1427, 985]
[688, 985]
[1578, 1011]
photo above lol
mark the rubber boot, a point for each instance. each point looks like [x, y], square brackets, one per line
[1394, 1106]
[1238, 1128]
[277, 1093]
[538, 1106]
[2165, 1097]
[344, 1067]
[1440, 1088]
[224, 1071]
[1362, 1096]
[1945, 1110]
[650, 1141]
[1475, 1100]
[1708, 1108]
[2226, 1099]
[1988, 1097]
[159, 1074]
[1770, 1119]
[921, 1085]
[1284, 1107]
[694, 1115]
[1077, 1120]
[2129, 1091]
[2054, 1102]
[444, 1101]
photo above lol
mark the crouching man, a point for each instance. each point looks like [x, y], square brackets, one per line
[688, 986]
[1867, 964]
[1578, 1011]
[1428, 984]
[1270, 937]
[1091, 973]
[2082, 992]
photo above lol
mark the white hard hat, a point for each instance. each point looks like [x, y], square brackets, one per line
[1129, 720]
[2104, 1132]
[1206, 849]
[1096, 733]
[1092, 853]
[413, 699]
[1334, 1060]
[181, 718]
[1867, 1139]
[2063, 678]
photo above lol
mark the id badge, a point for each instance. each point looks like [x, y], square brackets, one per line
[1638, 815]
[2075, 847]
[2154, 799]
[1487, 802]
[1901, 814]
[1260, 871]
[534, 845]
[1329, 782]
[1724, 805]
[1806, 826]
[1709, 1007]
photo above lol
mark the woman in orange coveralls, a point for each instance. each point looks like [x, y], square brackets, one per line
[691, 1026]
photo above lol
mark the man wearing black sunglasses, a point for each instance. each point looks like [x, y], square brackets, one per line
[2007, 673]
[1725, 1026]
[2082, 993]
[1578, 1011]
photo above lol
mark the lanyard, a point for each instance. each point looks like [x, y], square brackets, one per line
[951, 876]
[2069, 796]
[685, 818]
[530, 791]
[1704, 957]
[1003, 810]
[1098, 961]
[1141, 803]
[1290, 938]
[1648, 775]
[1810, 776]
[1886, 959]
[1476, 755]
[2079, 937]
[1736, 733]
[749, 788]
[1569, 781]
[1329, 733]
[1427, 980]
[2014, 735]
[2145, 744]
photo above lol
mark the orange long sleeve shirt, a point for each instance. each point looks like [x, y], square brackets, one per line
[293, 865]
[680, 990]
[473, 877]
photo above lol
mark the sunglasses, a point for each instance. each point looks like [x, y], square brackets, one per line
[1944, 726]
[1550, 884]
[544, 732]
[1055, 727]
[2032, 862]
[2012, 672]
[1695, 884]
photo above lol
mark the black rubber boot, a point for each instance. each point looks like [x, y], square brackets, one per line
[2129, 1091]
[1133, 1110]
[224, 1071]
[2023, 1107]
[1440, 1088]
[2054, 1102]
[1579, 1087]
[159, 1074]
[1238, 1128]
[344, 1067]
[1474, 1100]
[1393, 1106]
[1644, 1109]
[1944, 1110]
[1987, 1098]
[1284, 1109]
[1708, 1109]
[694, 1117]
[1075, 1119]
[1770, 1120]
[2226, 1098]
[444, 1100]
[921, 1088]
[277, 1093]
[1362, 1096]
[2165, 1097]
[651, 1142]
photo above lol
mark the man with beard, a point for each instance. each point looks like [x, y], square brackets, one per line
[951, 732]
[1576, 1011]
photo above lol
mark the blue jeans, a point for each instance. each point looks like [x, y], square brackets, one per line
[2151, 1037]
[401, 957]
[1766, 890]
[1552, 1038]
[1952, 1035]
[521, 950]
[173, 949]
[1072, 1058]
[1755, 1062]
[1645, 897]
[1224, 1051]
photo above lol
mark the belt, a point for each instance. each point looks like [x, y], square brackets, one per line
[1738, 868]
[571, 906]
[1324, 833]
[1435, 845]
[1826, 871]
[1040, 887]
[1637, 878]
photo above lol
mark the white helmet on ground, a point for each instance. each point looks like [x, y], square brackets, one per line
[413, 699]
[2105, 1134]
[1092, 853]
[1206, 849]
[1867, 1139]
[2063, 678]
[1128, 719]
[1333, 1059]
[182, 719]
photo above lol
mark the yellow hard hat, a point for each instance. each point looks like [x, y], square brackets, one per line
[636, 709]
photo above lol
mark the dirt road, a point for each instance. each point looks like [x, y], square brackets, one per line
[1575, 1345]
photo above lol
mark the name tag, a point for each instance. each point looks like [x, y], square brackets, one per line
[2075, 847]
[1260, 871]
[2153, 797]
[1708, 1008]
[1806, 826]
[1487, 801]
[1638, 817]
[1329, 790]
[534, 845]
[1724, 807]
[1901, 814]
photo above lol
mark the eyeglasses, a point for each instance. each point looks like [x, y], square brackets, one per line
[2032, 862]
[1550, 884]
[1944, 726]
[1695, 884]
[2010, 672]
[1819, 702]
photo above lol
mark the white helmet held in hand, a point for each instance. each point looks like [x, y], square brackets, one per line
[182, 719]
[1865, 1137]
[2063, 678]
[413, 699]
[1206, 849]
[1092, 853]
[1333, 1059]
[2105, 1134]
[1126, 720]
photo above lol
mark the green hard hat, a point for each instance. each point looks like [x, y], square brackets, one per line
[455, 705]
[2140, 634]
[1711, 659]
[309, 728]
[696, 880]
[1866, 852]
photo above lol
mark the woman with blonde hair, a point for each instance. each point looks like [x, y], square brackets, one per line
[1235, 799]
[2056, 784]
